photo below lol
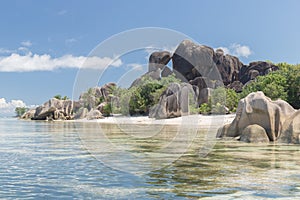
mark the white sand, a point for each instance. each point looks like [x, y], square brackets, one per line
[200, 120]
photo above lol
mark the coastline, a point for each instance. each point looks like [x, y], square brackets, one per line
[203, 121]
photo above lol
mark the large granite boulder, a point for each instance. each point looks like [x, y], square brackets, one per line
[158, 60]
[228, 66]
[258, 109]
[291, 129]
[191, 60]
[174, 102]
[254, 134]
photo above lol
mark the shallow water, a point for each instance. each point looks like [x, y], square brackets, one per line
[72, 160]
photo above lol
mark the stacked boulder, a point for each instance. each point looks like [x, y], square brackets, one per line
[205, 69]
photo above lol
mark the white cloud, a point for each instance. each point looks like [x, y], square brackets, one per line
[8, 108]
[136, 66]
[26, 43]
[237, 50]
[241, 50]
[6, 51]
[34, 62]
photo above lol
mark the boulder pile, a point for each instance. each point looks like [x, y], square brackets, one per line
[259, 119]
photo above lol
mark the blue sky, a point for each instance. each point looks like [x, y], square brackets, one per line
[42, 43]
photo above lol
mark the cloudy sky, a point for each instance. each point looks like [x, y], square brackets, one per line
[44, 44]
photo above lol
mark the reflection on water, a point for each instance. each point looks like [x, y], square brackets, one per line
[66, 160]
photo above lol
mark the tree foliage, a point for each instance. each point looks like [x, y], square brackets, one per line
[282, 84]
[137, 100]
[20, 111]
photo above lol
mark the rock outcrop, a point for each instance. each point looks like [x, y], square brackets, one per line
[86, 107]
[254, 69]
[158, 60]
[174, 102]
[258, 109]
[55, 109]
[156, 67]
[191, 60]
[228, 66]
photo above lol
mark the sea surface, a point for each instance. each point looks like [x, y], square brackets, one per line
[77, 160]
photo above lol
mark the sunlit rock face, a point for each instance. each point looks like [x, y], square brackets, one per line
[258, 109]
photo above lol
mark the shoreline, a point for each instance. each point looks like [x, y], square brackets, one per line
[199, 120]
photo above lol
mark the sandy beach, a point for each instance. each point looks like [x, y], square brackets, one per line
[202, 121]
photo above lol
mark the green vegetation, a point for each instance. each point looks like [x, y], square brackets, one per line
[20, 111]
[59, 97]
[282, 84]
[220, 100]
[205, 108]
[107, 109]
[138, 99]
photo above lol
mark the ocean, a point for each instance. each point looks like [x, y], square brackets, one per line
[79, 160]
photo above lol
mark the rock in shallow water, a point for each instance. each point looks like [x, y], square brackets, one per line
[254, 134]
[258, 109]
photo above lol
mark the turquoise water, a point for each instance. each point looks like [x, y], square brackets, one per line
[68, 160]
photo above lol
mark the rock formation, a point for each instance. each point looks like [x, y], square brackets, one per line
[158, 60]
[174, 102]
[156, 67]
[255, 69]
[291, 129]
[257, 109]
[88, 106]
[55, 109]
[191, 60]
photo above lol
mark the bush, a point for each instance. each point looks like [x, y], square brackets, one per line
[58, 96]
[273, 85]
[222, 97]
[137, 100]
[282, 84]
[205, 108]
[107, 110]
[20, 111]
